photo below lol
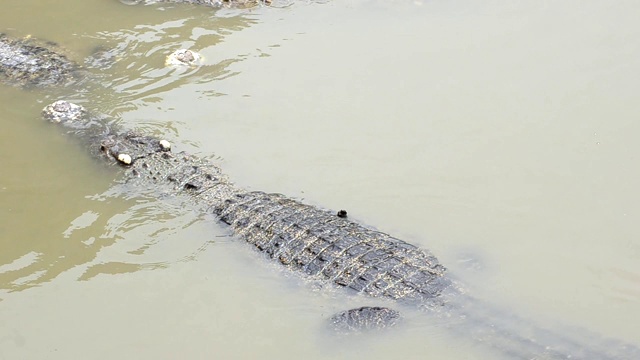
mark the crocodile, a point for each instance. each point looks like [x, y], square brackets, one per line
[29, 62]
[320, 243]
[324, 245]
[32, 63]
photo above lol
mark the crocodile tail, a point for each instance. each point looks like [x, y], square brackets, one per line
[516, 337]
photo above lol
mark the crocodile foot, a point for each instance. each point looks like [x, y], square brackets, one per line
[365, 318]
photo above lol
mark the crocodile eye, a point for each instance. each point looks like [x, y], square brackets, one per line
[125, 159]
[165, 145]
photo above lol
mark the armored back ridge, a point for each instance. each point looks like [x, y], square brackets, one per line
[332, 248]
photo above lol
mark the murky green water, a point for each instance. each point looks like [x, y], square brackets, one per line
[500, 135]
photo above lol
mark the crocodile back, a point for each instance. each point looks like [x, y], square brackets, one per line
[328, 247]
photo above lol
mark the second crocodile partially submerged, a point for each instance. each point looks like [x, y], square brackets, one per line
[28, 62]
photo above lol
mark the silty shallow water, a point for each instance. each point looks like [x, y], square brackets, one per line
[498, 135]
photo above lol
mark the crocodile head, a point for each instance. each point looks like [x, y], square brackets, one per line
[129, 147]
[124, 147]
[184, 57]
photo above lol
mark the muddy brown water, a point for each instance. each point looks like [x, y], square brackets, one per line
[500, 135]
